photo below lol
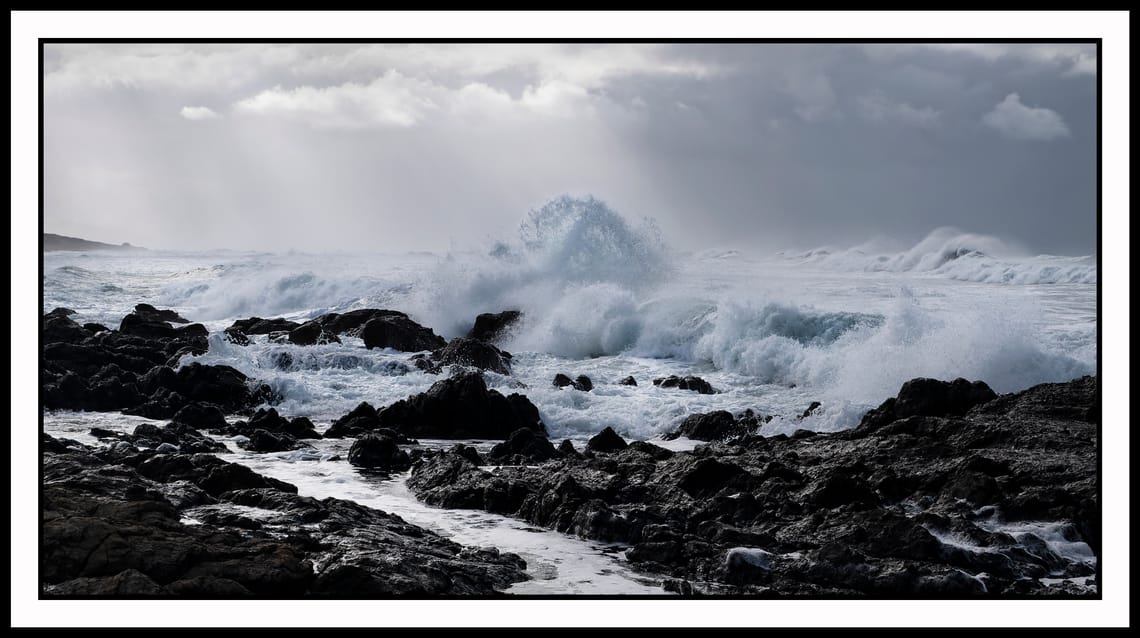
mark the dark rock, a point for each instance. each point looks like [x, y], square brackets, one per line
[235, 336]
[606, 441]
[311, 333]
[521, 447]
[566, 449]
[712, 426]
[57, 326]
[628, 381]
[259, 326]
[360, 420]
[352, 322]
[491, 327]
[709, 476]
[400, 333]
[378, 452]
[461, 408]
[478, 354]
[583, 383]
[231, 476]
[468, 452]
[839, 490]
[203, 416]
[561, 380]
[810, 409]
[146, 327]
[930, 397]
[696, 384]
[264, 441]
[150, 312]
[129, 582]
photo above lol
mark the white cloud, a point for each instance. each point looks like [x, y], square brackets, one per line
[228, 67]
[877, 107]
[1076, 59]
[1083, 65]
[198, 113]
[1015, 120]
[390, 100]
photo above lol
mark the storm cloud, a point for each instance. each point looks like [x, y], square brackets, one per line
[406, 147]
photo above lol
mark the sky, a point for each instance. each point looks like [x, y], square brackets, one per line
[394, 147]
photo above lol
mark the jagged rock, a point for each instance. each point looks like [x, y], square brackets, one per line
[478, 354]
[712, 426]
[380, 452]
[259, 326]
[521, 447]
[909, 508]
[461, 408]
[360, 420]
[606, 441]
[628, 381]
[490, 327]
[399, 332]
[311, 333]
[696, 384]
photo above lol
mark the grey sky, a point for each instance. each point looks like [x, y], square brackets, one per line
[405, 147]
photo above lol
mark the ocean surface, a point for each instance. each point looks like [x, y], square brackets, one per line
[604, 296]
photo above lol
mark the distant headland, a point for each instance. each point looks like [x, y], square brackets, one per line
[61, 242]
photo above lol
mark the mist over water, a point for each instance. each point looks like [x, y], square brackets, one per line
[605, 296]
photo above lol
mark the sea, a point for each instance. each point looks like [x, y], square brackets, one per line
[605, 296]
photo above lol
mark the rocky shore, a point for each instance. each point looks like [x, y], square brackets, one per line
[947, 490]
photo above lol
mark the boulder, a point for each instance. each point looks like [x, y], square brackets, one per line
[360, 420]
[606, 441]
[696, 384]
[471, 352]
[311, 333]
[379, 452]
[628, 381]
[712, 426]
[399, 333]
[521, 447]
[461, 407]
[491, 327]
[259, 326]
[931, 397]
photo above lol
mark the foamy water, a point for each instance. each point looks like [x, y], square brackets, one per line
[605, 297]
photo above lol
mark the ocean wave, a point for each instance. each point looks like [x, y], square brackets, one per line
[962, 256]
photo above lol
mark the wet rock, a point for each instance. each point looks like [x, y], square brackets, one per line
[583, 383]
[561, 381]
[235, 336]
[379, 452]
[810, 410]
[399, 332]
[361, 419]
[566, 449]
[930, 397]
[696, 384]
[150, 312]
[264, 441]
[523, 446]
[203, 416]
[311, 333]
[606, 441]
[712, 426]
[628, 381]
[259, 326]
[474, 353]
[491, 327]
[461, 408]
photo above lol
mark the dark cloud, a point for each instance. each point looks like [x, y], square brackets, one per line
[409, 147]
